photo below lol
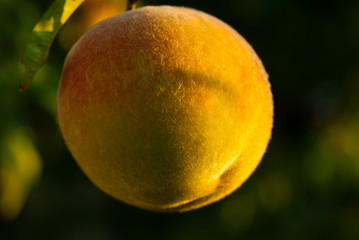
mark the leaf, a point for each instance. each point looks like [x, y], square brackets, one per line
[20, 170]
[43, 34]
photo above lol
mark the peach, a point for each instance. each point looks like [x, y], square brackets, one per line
[165, 108]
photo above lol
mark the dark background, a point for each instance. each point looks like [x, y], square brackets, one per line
[307, 186]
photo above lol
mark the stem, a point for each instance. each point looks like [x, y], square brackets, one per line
[131, 5]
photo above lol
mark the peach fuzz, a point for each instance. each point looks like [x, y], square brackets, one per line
[165, 108]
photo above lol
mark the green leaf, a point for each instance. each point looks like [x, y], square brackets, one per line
[20, 170]
[43, 34]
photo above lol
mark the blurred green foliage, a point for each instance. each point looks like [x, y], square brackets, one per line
[307, 186]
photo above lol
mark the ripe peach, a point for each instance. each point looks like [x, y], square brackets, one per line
[165, 108]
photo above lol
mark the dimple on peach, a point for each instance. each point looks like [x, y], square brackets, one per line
[165, 108]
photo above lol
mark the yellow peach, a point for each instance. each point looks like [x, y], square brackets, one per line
[165, 108]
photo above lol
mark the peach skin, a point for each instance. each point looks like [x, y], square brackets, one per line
[165, 108]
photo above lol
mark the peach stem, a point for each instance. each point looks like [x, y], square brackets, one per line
[131, 5]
